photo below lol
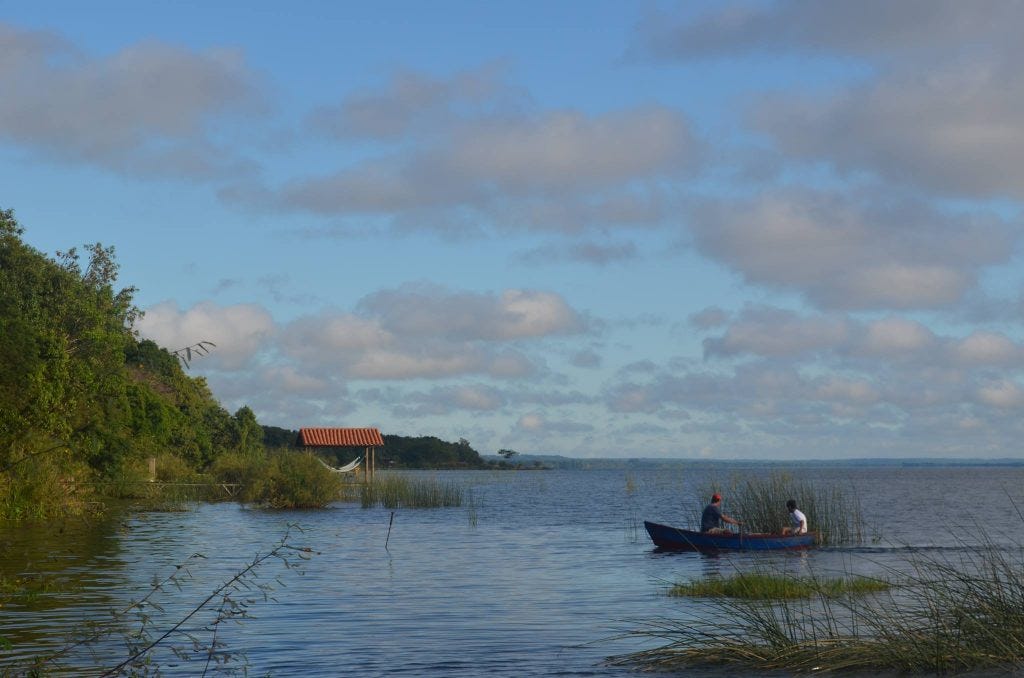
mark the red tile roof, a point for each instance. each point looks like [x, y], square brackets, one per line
[341, 437]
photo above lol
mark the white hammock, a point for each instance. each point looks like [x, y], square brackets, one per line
[347, 468]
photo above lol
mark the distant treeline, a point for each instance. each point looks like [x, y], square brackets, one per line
[409, 452]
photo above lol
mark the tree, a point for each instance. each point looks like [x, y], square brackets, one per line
[507, 454]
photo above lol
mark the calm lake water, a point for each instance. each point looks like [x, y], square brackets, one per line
[533, 575]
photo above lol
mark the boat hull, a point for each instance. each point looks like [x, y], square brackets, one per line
[667, 537]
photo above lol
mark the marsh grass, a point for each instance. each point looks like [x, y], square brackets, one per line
[43, 483]
[760, 503]
[954, 610]
[757, 586]
[402, 491]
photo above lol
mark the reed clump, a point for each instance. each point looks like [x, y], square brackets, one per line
[948, 615]
[758, 586]
[402, 491]
[833, 514]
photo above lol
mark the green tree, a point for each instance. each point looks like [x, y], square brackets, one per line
[246, 432]
[79, 392]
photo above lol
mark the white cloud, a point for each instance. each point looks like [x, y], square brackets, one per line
[867, 28]
[411, 102]
[471, 153]
[897, 336]
[774, 332]
[1002, 394]
[239, 331]
[988, 348]
[429, 310]
[942, 105]
[957, 127]
[427, 331]
[846, 252]
[147, 109]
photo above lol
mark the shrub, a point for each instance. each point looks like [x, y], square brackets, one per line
[298, 480]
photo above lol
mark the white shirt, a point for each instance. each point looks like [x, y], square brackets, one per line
[799, 521]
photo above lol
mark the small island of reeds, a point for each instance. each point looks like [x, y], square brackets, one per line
[760, 586]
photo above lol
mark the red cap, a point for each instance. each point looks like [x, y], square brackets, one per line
[716, 497]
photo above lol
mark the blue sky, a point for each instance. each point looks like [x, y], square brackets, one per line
[720, 230]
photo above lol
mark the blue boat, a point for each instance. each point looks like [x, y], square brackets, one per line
[678, 539]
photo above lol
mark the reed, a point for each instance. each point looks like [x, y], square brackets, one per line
[472, 510]
[948, 614]
[760, 503]
[757, 586]
[402, 491]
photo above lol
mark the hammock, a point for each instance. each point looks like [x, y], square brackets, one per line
[347, 468]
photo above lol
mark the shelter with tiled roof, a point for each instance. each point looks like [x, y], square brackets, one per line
[367, 438]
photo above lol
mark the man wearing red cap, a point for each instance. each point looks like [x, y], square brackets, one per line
[712, 518]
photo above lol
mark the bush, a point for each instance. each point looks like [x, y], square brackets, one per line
[299, 480]
[249, 472]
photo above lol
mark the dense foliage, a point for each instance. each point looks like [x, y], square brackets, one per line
[82, 399]
[429, 452]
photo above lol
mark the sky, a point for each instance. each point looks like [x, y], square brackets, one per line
[716, 230]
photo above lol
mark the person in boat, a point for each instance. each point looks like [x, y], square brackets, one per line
[712, 518]
[797, 519]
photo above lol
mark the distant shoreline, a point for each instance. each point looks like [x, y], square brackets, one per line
[561, 462]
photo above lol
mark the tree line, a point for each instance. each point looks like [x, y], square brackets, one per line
[82, 397]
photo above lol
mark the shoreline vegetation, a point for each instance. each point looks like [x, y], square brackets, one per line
[85, 404]
[941, 612]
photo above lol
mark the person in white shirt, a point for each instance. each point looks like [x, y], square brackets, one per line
[798, 521]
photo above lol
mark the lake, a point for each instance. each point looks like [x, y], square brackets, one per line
[534, 575]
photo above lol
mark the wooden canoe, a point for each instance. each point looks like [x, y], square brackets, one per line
[679, 539]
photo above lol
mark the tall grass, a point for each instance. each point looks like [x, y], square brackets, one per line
[402, 491]
[762, 586]
[760, 503]
[40, 485]
[949, 613]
